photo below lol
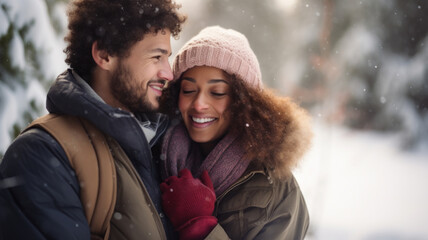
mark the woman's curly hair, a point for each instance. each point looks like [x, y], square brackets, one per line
[274, 130]
[116, 25]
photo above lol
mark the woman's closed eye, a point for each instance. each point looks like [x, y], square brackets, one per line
[187, 91]
[219, 94]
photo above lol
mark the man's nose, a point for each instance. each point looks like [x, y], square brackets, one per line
[166, 72]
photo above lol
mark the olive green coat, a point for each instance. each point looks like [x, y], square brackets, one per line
[259, 207]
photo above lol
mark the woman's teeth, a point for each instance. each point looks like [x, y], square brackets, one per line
[202, 120]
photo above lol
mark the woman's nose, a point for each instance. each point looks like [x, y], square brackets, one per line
[200, 102]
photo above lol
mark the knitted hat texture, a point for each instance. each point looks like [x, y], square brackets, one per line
[225, 49]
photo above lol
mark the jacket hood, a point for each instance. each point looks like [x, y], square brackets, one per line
[294, 131]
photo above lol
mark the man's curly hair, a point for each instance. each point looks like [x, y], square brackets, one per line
[267, 124]
[116, 25]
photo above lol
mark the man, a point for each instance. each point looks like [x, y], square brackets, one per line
[118, 55]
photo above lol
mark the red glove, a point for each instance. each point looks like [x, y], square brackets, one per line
[189, 204]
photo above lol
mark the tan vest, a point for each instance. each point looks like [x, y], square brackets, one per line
[116, 202]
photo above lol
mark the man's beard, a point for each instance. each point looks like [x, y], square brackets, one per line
[129, 92]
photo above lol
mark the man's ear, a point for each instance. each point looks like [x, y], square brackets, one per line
[102, 58]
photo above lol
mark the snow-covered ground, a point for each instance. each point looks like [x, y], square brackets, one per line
[361, 185]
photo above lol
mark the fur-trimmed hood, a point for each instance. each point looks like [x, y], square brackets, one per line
[287, 138]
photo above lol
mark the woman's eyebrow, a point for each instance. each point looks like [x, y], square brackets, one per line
[212, 81]
[217, 81]
[189, 79]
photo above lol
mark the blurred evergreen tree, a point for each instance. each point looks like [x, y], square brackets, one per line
[367, 66]
[21, 63]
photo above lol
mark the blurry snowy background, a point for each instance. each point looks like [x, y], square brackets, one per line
[359, 67]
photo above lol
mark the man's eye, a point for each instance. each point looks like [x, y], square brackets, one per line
[157, 57]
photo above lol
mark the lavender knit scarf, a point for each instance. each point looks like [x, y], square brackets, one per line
[225, 163]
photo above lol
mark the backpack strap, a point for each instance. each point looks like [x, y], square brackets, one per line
[90, 157]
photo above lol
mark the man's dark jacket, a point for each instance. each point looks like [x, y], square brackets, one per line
[39, 192]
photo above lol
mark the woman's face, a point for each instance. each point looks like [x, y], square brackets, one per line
[204, 100]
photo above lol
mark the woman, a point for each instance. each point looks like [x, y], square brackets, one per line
[243, 136]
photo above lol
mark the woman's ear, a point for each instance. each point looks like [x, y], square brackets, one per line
[102, 58]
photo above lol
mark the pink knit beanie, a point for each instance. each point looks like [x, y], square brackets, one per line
[225, 49]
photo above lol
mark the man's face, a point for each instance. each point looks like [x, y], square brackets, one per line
[139, 78]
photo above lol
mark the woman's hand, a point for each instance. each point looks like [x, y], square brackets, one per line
[189, 204]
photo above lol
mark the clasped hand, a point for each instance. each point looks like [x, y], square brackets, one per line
[189, 204]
